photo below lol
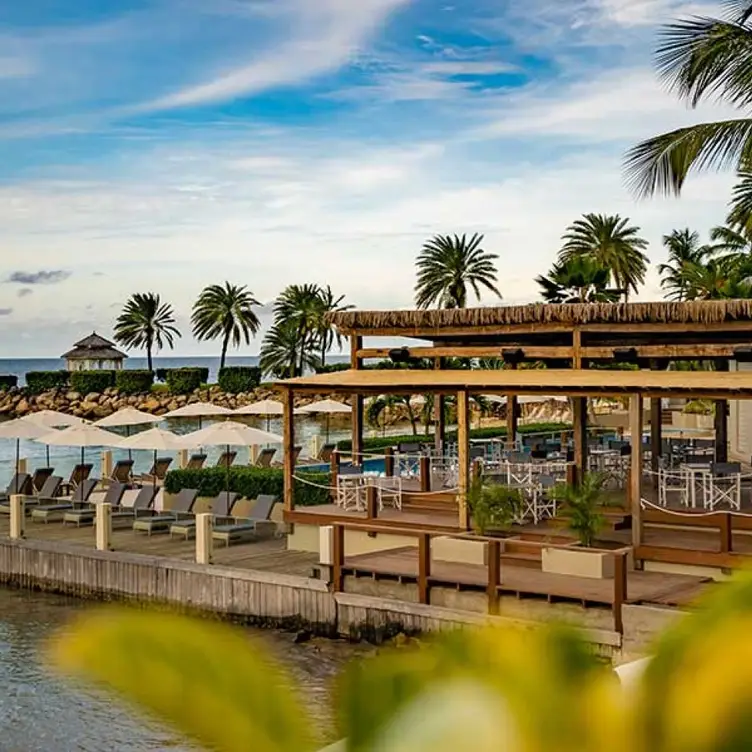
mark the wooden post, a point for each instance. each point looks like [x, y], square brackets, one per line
[23, 465]
[372, 502]
[425, 473]
[512, 409]
[477, 470]
[356, 343]
[439, 407]
[204, 539]
[17, 517]
[389, 462]
[635, 472]
[334, 461]
[726, 529]
[580, 436]
[253, 454]
[620, 589]
[103, 525]
[494, 575]
[106, 469]
[656, 437]
[338, 558]
[463, 455]
[424, 568]
[288, 447]
[183, 458]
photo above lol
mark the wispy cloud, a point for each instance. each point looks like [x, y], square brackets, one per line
[6, 311]
[44, 277]
[24, 292]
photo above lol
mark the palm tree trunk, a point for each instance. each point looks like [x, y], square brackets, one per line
[225, 343]
[149, 364]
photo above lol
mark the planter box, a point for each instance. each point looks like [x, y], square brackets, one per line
[578, 562]
[691, 420]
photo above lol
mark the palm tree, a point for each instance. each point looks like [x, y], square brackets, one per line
[612, 243]
[327, 333]
[380, 407]
[701, 58]
[740, 214]
[684, 249]
[280, 355]
[734, 242]
[226, 312]
[718, 279]
[300, 307]
[579, 280]
[146, 322]
[447, 265]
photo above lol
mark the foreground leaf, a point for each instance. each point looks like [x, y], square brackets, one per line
[205, 678]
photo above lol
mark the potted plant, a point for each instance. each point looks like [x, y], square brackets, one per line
[581, 511]
[493, 506]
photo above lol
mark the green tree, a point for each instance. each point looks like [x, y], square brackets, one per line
[732, 242]
[611, 243]
[325, 330]
[684, 250]
[701, 58]
[380, 407]
[299, 307]
[718, 279]
[578, 280]
[740, 215]
[225, 312]
[280, 354]
[146, 322]
[447, 265]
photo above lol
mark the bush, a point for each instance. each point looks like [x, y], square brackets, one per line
[86, 382]
[134, 382]
[237, 379]
[160, 374]
[250, 482]
[43, 381]
[185, 380]
[494, 507]
[332, 367]
[8, 381]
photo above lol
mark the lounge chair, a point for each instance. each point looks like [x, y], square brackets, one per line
[226, 459]
[142, 506]
[20, 483]
[85, 515]
[257, 525]
[49, 491]
[40, 477]
[160, 523]
[221, 507]
[79, 474]
[122, 473]
[295, 455]
[54, 512]
[196, 462]
[157, 472]
[325, 453]
[265, 458]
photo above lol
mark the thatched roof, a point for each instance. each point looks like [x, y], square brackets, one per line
[694, 312]
[94, 347]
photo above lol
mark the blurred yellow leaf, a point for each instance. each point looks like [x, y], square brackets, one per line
[206, 678]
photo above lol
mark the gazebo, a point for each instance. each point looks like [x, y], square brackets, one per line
[94, 353]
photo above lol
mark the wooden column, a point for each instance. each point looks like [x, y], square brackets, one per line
[512, 409]
[17, 517]
[463, 455]
[204, 538]
[579, 427]
[424, 464]
[103, 527]
[288, 447]
[389, 462]
[356, 343]
[439, 407]
[720, 421]
[635, 472]
[656, 437]
[424, 568]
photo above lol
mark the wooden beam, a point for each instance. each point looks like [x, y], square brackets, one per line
[470, 351]
[356, 344]
[494, 575]
[463, 455]
[512, 407]
[579, 429]
[424, 568]
[656, 437]
[720, 421]
[288, 449]
[635, 471]
[439, 407]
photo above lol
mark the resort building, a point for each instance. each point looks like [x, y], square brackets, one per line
[94, 353]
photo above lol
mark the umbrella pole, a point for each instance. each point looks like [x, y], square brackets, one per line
[47, 453]
[18, 455]
[128, 435]
[327, 428]
[154, 477]
[227, 471]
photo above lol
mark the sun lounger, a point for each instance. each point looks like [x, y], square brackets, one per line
[85, 515]
[20, 484]
[160, 523]
[142, 506]
[226, 459]
[79, 474]
[196, 462]
[54, 512]
[121, 473]
[265, 458]
[49, 491]
[40, 477]
[221, 507]
[256, 526]
[157, 472]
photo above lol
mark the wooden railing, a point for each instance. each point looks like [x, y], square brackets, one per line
[493, 585]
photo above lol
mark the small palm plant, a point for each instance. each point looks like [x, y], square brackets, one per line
[581, 505]
[493, 506]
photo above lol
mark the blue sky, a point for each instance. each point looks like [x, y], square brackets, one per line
[168, 144]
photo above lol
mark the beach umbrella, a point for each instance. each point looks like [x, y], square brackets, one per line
[229, 433]
[53, 419]
[156, 439]
[22, 429]
[264, 408]
[127, 417]
[198, 410]
[81, 435]
[324, 407]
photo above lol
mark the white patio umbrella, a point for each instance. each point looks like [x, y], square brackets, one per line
[127, 417]
[50, 419]
[22, 429]
[156, 439]
[198, 410]
[82, 435]
[324, 407]
[264, 408]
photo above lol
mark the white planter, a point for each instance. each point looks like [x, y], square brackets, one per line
[578, 562]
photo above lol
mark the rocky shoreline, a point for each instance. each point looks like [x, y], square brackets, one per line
[17, 402]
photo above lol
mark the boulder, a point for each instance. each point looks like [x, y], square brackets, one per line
[173, 405]
[73, 396]
[151, 405]
[22, 407]
[92, 397]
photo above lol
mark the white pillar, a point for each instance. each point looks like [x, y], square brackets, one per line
[103, 524]
[253, 454]
[23, 465]
[17, 516]
[204, 541]
[106, 464]
[317, 441]
[183, 458]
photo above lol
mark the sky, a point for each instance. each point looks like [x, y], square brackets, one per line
[163, 145]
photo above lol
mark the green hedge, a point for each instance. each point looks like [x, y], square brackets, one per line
[43, 381]
[185, 380]
[134, 381]
[237, 379]
[332, 368]
[8, 381]
[86, 382]
[250, 482]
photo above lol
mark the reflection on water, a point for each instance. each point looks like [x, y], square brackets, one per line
[39, 712]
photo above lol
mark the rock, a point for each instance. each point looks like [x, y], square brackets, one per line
[151, 405]
[92, 397]
[173, 405]
[132, 400]
[105, 399]
[87, 408]
[22, 407]
[181, 399]
[73, 396]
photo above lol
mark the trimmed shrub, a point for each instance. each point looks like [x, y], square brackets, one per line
[185, 380]
[250, 482]
[332, 367]
[160, 374]
[237, 379]
[86, 382]
[8, 381]
[43, 381]
[134, 382]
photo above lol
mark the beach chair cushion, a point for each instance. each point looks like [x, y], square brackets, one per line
[19, 484]
[183, 504]
[50, 512]
[256, 526]
[221, 510]
[86, 515]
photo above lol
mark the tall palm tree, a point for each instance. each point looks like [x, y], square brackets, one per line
[146, 322]
[225, 312]
[327, 333]
[735, 242]
[280, 354]
[612, 243]
[579, 280]
[380, 407]
[447, 265]
[701, 58]
[684, 249]
[300, 307]
[718, 279]
[740, 214]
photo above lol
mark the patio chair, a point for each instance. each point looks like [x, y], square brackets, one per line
[160, 523]
[85, 515]
[226, 459]
[265, 458]
[545, 502]
[255, 526]
[325, 453]
[673, 483]
[142, 506]
[78, 475]
[49, 491]
[723, 485]
[20, 483]
[196, 462]
[157, 472]
[122, 472]
[221, 507]
[40, 478]
[54, 512]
